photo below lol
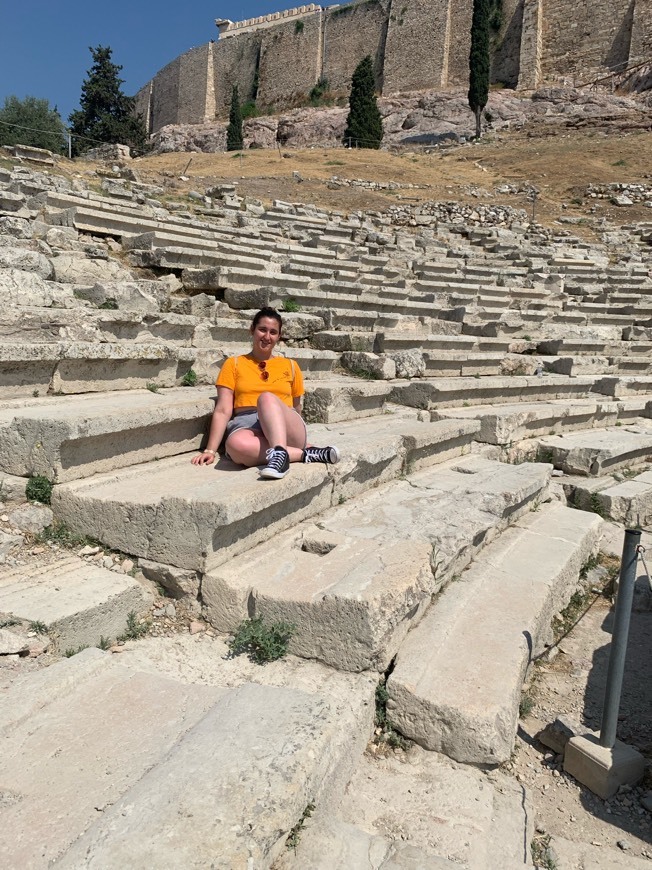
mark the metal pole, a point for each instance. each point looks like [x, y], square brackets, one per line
[619, 637]
[69, 146]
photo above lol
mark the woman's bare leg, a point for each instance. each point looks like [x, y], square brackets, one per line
[282, 426]
[247, 447]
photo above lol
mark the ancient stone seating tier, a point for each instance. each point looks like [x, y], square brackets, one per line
[491, 393]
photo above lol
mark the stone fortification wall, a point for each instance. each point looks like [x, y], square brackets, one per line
[290, 60]
[507, 45]
[193, 85]
[461, 13]
[416, 45]
[641, 44]
[349, 34]
[416, 50]
[143, 102]
[584, 38]
[235, 62]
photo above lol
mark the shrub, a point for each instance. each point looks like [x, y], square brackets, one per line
[290, 305]
[262, 643]
[189, 379]
[39, 488]
[109, 304]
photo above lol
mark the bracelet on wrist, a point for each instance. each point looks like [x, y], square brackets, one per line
[207, 450]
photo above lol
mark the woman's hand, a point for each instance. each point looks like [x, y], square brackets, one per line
[205, 458]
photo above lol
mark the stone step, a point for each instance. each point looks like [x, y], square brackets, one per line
[406, 540]
[198, 761]
[65, 438]
[78, 602]
[188, 516]
[457, 681]
[508, 423]
[79, 367]
[571, 855]
[447, 816]
[435, 393]
[620, 497]
[599, 451]
[344, 398]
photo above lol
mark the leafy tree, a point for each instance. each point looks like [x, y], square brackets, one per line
[479, 59]
[32, 122]
[234, 140]
[105, 114]
[364, 126]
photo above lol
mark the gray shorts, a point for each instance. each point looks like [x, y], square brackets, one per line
[249, 420]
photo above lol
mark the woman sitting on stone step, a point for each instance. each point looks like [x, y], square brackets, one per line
[258, 410]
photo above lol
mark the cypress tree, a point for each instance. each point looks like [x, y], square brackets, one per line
[234, 139]
[105, 114]
[364, 126]
[479, 60]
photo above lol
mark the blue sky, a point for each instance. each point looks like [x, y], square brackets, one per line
[44, 44]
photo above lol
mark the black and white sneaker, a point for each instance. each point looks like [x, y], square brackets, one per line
[327, 455]
[278, 463]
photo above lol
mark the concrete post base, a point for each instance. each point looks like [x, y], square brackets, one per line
[603, 770]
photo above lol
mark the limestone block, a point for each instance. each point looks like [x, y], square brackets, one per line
[31, 517]
[378, 367]
[12, 489]
[298, 326]
[26, 261]
[16, 226]
[12, 643]
[200, 280]
[253, 298]
[11, 201]
[62, 238]
[29, 289]
[145, 296]
[345, 400]
[409, 363]
[77, 600]
[176, 581]
[600, 450]
[8, 543]
[75, 269]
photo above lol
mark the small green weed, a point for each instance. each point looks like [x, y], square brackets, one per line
[546, 454]
[60, 534]
[526, 705]
[153, 387]
[109, 305]
[298, 26]
[334, 163]
[249, 110]
[591, 563]
[365, 374]
[135, 629]
[541, 855]
[262, 643]
[527, 338]
[8, 622]
[290, 305]
[71, 651]
[295, 834]
[384, 733]
[620, 163]
[39, 488]
[103, 643]
[35, 393]
[595, 505]
[189, 379]
[618, 423]
[38, 626]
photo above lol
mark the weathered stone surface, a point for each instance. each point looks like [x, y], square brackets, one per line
[345, 399]
[175, 581]
[31, 517]
[12, 643]
[8, 543]
[409, 363]
[145, 296]
[78, 601]
[599, 451]
[371, 365]
[457, 681]
[569, 855]
[26, 261]
[298, 326]
[29, 289]
[78, 436]
[19, 228]
[76, 269]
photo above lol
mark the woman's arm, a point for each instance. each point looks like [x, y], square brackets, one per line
[221, 416]
[296, 404]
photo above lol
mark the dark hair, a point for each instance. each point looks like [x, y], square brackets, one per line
[267, 312]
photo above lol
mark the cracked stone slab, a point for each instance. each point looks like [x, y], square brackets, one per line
[599, 451]
[457, 681]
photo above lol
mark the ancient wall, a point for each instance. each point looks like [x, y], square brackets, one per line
[583, 38]
[164, 107]
[235, 62]
[461, 13]
[415, 44]
[290, 61]
[416, 49]
[193, 85]
[506, 58]
[350, 33]
[641, 43]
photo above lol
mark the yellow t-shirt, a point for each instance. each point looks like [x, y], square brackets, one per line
[242, 375]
